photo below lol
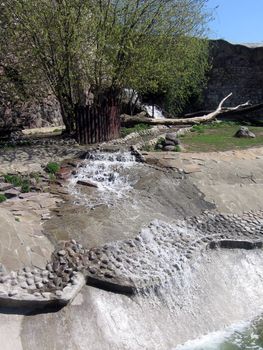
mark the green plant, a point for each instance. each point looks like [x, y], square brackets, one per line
[35, 176]
[159, 143]
[2, 197]
[177, 148]
[17, 219]
[25, 187]
[15, 180]
[52, 168]
[18, 181]
[52, 177]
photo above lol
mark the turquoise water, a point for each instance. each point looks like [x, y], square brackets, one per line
[245, 336]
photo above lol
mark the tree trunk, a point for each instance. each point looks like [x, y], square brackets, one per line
[127, 120]
[68, 116]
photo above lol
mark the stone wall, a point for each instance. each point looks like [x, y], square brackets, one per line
[237, 69]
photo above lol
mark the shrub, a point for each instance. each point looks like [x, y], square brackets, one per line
[52, 168]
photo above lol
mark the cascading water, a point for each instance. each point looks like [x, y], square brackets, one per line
[241, 336]
[154, 111]
[108, 173]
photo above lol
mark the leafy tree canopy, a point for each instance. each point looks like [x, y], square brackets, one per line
[69, 46]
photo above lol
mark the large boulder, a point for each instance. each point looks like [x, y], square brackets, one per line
[244, 132]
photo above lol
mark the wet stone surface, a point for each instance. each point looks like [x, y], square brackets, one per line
[156, 255]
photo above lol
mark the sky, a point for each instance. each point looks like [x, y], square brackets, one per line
[237, 21]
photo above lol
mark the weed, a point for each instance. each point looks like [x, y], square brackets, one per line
[35, 176]
[52, 168]
[25, 187]
[17, 219]
[18, 181]
[177, 148]
[52, 177]
[15, 180]
[159, 143]
[2, 197]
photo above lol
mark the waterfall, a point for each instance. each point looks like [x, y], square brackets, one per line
[154, 111]
[107, 173]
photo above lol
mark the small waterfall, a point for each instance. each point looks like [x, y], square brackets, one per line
[107, 173]
[154, 111]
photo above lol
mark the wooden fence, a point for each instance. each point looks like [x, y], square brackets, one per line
[98, 123]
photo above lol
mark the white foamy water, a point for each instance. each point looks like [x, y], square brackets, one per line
[154, 111]
[242, 336]
[109, 172]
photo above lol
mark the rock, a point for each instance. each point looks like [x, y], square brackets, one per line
[24, 285]
[39, 285]
[62, 252]
[5, 186]
[30, 281]
[171, 136]
[87, 183]
[64, 173]
[168, 148]
[12, 193]
[168, 143]
[244, 132]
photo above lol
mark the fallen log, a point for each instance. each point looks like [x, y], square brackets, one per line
[129, 121]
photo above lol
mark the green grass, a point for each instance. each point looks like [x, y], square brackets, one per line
[220, 137]
[136, 128]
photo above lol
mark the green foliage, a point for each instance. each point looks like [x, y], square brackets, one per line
[65, 46]
[177, 148]
[17, 219]
[52, 177]
[159, 143]
[25, 187]
[2, 197]
[137, 128]
[35, 176]
[52, 168]
[14, 180]
[18, 181]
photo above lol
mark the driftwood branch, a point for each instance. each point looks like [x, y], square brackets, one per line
[127, 120]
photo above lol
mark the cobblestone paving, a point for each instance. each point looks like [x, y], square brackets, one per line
[151, 259]
[31, 159]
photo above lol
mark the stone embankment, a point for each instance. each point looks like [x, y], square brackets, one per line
[156, 256]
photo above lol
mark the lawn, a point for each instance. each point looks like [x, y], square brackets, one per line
[219, 137]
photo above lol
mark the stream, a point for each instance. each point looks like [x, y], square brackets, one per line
[217, 290]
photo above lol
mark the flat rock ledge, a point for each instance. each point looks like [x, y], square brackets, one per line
[157, 255]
